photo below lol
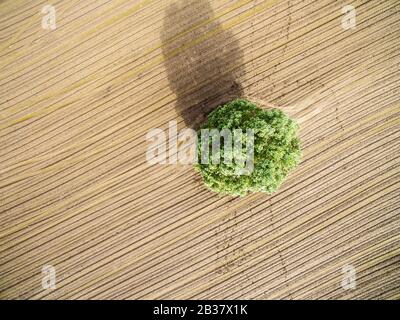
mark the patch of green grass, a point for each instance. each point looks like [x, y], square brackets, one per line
[276, 149]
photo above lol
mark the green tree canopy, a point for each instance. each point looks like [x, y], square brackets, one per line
[276, 149]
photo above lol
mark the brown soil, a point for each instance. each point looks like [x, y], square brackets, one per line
[78, 194]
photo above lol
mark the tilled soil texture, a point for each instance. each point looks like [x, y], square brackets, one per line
[79, 198]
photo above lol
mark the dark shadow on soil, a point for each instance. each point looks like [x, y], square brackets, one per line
[202, 60]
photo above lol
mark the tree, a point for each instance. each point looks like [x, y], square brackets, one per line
[276, 149]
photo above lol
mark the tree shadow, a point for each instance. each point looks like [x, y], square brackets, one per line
[203, 61]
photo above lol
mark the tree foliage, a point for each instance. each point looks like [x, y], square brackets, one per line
[276, 149]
